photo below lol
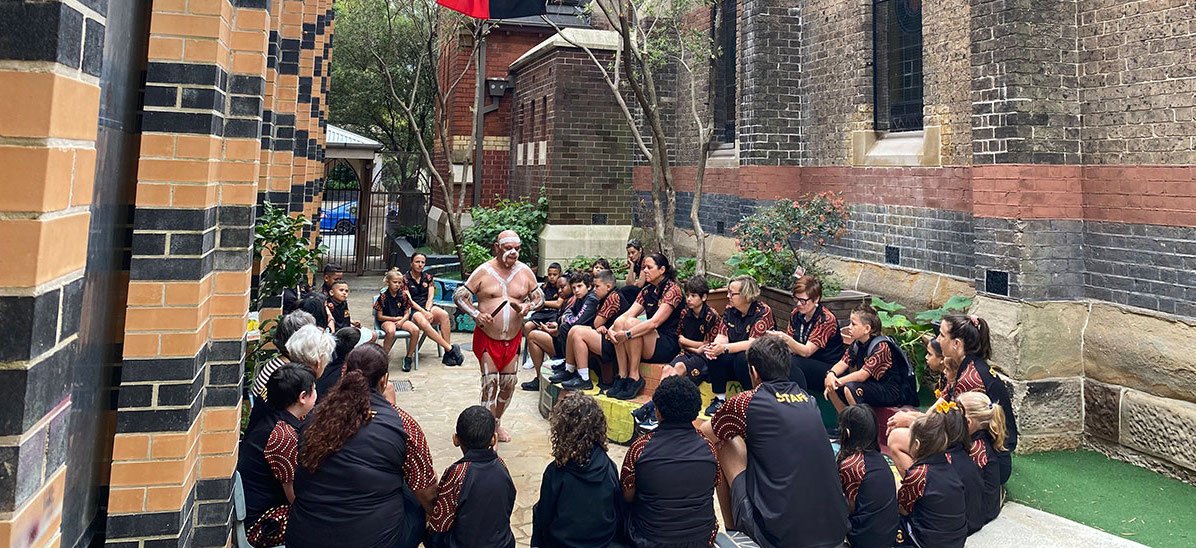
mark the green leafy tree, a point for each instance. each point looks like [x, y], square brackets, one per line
[524, 217]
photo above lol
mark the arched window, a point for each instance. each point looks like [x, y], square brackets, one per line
[897, 67]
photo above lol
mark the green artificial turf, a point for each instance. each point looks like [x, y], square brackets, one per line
[1113, 496]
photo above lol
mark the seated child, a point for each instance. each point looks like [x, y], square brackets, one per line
[873, 369]
[696, 331]
[270, 452]
[581, 312]
[665, 511]
[959, 442]
[867, 480]
[332, 273]
[476, 495]
[986, 424]
[776, 456]
[580, 499]
[338, 305]
[585, 341]
[552, 302]
[317, 305]
[931, 497]
[392, 311]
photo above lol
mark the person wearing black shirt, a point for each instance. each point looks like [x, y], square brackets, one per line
[635, 271]
[744, 320]
[332, 273]
[665, 511]
[873, 370]
[867, 480]
[476, 495]
[582, 309]
[784, 488]
[581, 503]
[420, 291]
[653, 340]
[812, 335]
[931, 498]
[338, 306]
[585, 342]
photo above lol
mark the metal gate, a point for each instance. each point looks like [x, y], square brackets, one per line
[360, 226]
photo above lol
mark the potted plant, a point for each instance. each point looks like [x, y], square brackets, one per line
[785, 239]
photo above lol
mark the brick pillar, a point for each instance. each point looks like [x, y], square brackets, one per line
[1025, 126]
[771, 132]
[52, 55]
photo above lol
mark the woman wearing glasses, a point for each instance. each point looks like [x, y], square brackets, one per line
[813, 334]
[744, 319]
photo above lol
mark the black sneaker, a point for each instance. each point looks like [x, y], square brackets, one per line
[632, 389]
[616, 387]
[407, 364]
[578, 383]
[532, 385]
[562, 376]
[645, 412]
[649, 425]
[453, 357]
[714, 406]
[557, 368]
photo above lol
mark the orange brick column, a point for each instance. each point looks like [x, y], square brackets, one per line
[48, 122]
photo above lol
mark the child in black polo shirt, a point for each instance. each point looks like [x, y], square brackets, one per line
[332, 273]
[931, 497]
[873, 370]
[696, 331]
[867, 480]
[784, 489]
[959, 441]
[666, 510]
[986, 423]
[270, 453]
[392, 310]
[476, 494]
[338, 305]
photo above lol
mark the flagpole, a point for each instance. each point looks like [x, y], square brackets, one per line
[478, 97]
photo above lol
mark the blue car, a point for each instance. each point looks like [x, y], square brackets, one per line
[341, 219]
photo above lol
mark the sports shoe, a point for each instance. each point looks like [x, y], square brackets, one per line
[648, 425]
[578, 383]
[555, 363]
[453, 357]
[532, 385]
[562, 377]
[616, 388]
[407, 364]
[645, 412]
[632, 389]
[527, 363]
[714, 406]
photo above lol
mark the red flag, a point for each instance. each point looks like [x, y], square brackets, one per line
[496, 9]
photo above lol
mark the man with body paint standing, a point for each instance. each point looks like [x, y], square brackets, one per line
[501, 286]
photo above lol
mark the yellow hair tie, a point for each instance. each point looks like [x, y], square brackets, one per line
[944, 406]
[938, 394]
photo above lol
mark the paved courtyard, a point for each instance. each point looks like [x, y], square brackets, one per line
[440, 393]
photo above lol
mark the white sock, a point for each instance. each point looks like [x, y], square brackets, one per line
[570, 367]
[585, 373]
[721, 396]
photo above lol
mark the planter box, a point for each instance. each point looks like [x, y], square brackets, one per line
[781, 302]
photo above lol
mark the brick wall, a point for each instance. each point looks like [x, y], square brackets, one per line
[772, 127]
[837, 35]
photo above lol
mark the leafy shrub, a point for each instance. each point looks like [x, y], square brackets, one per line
[581, 262]
[475, 255]
[779, 238]
[525, 218]
[776, 270]
[908, 334]
[292, 257]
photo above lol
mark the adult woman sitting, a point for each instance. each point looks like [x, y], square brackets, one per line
[653, 340]
[812, 336]
[357, 458]
[313, 347]
[744, 319]
[966, 348]
[282, 333]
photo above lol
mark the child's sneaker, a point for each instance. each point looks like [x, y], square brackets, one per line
[407, 365]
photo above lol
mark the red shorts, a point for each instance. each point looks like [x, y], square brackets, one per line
[502, 352]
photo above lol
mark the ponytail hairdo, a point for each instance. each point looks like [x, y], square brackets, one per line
[987, 414]
[344, 410]
[857, 425]
[973, 331]
[663, 262]
[928, 435]
[394, 272]
[955, 424]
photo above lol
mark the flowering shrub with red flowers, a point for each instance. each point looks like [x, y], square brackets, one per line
[788, 235]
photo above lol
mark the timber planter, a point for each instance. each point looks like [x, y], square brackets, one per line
[781, 303]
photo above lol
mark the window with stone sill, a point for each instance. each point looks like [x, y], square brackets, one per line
[723, 67]
[897, 64]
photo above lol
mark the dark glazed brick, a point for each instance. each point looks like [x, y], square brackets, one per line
[31, 325]
[180, 394]
[225, 373]
[171, 269]
[26, 395]
[158, 420]
[216, 535]
[135, 395]
[181, 73]
[72, 308]
[222, 396]
[214, 513]
[244, 106]
[41, 31]
[202, 98]
[161, 96]
[148, 244]
[195, 220]
[214, 489]
[143, 524]
[57, 441]
[236, 237]
[163, 369]
[236, 128]
[93, 48]
[198, 123]
[227, 351]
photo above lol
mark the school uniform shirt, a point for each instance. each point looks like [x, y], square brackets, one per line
[355, 496]
[267, 459]
[741, 327]
[580, 506]
[613, 306]
[701, 327]
[868, 485]
[822, 330]
[976, 375]
[665, 511]
[790, 480]
[474, 503]
[890, 381]
[418, 287]
[651, 297]
[393, 306]
[988, 459]
[340, 313]
[973, 485]
[546, 314]
[932, 496]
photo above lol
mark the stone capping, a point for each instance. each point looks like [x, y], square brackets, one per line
[906, 149]
[603, 40]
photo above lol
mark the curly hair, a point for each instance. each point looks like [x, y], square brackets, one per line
[677, 399]
[576, 426]
[345, 409]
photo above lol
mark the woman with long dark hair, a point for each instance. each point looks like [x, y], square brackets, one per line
[360, 460]
[653, 340]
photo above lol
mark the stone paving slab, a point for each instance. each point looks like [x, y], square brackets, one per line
[440, 393]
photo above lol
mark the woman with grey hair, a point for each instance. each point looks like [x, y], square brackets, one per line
[313, 347]
[282, 333]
